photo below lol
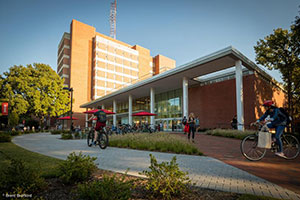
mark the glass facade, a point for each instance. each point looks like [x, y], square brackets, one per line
[141, 104]
[168, 107]
[122, 107]
[168, 104]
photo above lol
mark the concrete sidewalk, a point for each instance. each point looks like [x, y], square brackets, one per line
[206, 172]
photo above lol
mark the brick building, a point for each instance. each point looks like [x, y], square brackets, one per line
[215, 88]
[95, 65]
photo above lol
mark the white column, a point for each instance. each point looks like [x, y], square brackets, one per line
[86, 119]
[115, 111]
[239, 94]
[130, 110]
[185, 96]
[152, 104]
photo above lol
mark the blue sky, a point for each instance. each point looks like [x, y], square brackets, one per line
[180, 29]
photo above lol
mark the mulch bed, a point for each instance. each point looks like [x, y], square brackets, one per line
[58, 190]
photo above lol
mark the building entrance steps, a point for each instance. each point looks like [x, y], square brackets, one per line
[205, 171]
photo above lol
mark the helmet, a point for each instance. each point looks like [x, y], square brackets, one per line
[269, 103]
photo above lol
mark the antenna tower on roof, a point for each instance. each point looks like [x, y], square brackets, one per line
[112, 19]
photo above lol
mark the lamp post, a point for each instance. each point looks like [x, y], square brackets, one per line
[70, 90]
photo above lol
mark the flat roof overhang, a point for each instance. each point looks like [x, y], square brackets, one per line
[172, 79]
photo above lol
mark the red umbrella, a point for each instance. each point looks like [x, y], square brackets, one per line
[68, 118]
[93, 111]
[143, 114]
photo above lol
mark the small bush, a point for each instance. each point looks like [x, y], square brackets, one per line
[77, 135]
[230, 133]
[76, 168]
[109, 188]
[66, 136]
[15, 133]
[56, 132]
[165, 180]
[18, 176]
[5, 137]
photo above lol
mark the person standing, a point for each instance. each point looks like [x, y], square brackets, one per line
[197, 123]
[185, 124]
[234, 122]
[191, 122]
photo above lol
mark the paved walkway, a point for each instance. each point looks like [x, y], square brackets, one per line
[206, 172]
[285, 173]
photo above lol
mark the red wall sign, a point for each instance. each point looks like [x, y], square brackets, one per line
[5, 108]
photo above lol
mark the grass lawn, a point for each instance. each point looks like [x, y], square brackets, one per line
[230, 133]
[46, 164]
[163, 142]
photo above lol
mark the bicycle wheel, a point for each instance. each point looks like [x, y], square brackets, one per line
[290, 145]
[250, 150]
[103, 140]
[90, 138]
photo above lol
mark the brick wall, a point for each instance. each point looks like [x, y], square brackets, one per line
[215, 104]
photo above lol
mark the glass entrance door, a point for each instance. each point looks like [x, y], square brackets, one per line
[170, 125]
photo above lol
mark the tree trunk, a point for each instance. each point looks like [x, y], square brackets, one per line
[290, 103]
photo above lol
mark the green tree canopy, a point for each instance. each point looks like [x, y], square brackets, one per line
[280, 51]
[35, 89]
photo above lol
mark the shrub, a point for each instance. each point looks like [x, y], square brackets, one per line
[109, 188]
[15, 133]
[18, 176]
[5, 137]
[56, 132]
[77, 135]
[229, 133]
[66, 136]
[76, 168]
[165, 179]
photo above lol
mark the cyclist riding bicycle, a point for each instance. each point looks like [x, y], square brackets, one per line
[101, 122]
[276, 120]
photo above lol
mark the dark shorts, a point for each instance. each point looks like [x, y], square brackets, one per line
[99, 125]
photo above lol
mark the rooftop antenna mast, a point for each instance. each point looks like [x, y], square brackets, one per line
[112, 19]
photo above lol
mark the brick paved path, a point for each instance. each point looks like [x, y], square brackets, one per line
[285, 173]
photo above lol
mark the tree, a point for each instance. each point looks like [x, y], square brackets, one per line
[280, 51]
[296, 39]
[34, 90]
[13, 119]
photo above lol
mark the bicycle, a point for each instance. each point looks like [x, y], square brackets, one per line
[249, 149]
[102, 138]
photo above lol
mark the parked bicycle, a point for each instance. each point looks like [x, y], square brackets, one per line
[252, 152]
[102, 138]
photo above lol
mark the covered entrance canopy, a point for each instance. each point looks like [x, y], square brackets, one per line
[172, 79]
[182, 77]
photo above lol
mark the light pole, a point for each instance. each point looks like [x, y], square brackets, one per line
[70, 90]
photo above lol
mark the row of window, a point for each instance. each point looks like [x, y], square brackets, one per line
[116, 51]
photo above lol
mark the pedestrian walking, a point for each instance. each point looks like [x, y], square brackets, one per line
[191, 122]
